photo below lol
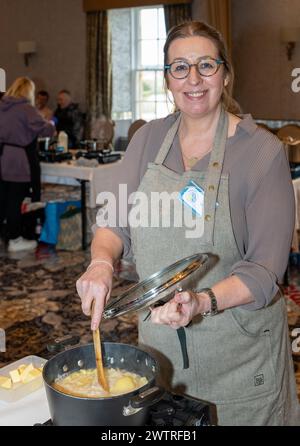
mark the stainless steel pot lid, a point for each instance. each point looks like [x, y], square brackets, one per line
[156, 287]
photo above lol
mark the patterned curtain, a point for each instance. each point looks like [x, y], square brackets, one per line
[98, 68]
[176, 14]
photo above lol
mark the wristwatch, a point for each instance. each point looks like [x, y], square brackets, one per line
[213, 300]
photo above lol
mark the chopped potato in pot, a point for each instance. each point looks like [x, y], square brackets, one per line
[84, 383]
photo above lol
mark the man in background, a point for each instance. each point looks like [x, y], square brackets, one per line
[69, 118]
[41, 102]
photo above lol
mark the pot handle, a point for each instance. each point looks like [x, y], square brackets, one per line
[60, 344]
[148, 397]
[144, 399]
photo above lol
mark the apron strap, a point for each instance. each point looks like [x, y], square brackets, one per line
[168, 141]
[213, 177]
[182, 339]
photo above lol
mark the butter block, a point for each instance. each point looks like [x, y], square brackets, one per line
[5, 382]
[26, 371]
[15, 376]
[21, 368]
[32, 375]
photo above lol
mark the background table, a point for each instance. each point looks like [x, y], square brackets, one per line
[70, 173]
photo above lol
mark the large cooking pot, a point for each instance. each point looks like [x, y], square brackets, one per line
[130, 409]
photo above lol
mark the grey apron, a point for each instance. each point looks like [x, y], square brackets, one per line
[239, 360]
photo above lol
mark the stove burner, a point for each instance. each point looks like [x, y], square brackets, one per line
[175, 410]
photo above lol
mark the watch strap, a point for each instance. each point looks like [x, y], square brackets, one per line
[213, 300]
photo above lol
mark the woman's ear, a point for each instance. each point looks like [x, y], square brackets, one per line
[226, 81]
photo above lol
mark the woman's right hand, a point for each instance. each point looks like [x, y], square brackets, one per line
[95, 285]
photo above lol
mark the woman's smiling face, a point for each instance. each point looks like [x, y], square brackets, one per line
[196, 95]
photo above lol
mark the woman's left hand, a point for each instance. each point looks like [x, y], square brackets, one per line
[179, 311]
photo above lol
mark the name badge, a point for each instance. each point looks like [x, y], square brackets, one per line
[192, 196]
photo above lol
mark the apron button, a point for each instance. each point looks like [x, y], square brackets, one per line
[207, 217]
[216, 164]
[211, 188]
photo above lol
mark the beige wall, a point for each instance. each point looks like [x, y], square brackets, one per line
[263, 72]
[58, 27]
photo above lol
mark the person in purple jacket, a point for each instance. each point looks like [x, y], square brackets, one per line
[20, 126]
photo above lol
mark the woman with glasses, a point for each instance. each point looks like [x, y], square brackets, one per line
[235, 178]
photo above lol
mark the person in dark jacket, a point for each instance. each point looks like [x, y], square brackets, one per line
[20, 126]
[69, 118]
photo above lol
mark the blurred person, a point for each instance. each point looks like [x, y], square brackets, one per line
[20, 126]
[41, 102]
[69, 118]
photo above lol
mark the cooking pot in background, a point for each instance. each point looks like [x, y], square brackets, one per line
[130, 409]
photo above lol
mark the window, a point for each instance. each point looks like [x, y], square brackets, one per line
[138, 37]
[149, 35]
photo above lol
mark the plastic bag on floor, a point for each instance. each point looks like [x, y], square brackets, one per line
[53, 211]
[70, 234]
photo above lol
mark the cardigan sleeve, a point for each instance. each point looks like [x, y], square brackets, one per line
[270, 218]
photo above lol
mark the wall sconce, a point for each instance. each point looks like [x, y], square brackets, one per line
[289, 36]
[27, 48]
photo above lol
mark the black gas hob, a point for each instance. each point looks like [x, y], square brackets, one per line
[175, 411]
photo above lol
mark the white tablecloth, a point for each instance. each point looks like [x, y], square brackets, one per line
[295, 243]
[99, 177]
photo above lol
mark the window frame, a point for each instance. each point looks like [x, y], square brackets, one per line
[136, 63]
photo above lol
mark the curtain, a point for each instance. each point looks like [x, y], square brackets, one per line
[176, 14]
[220, 18]
[98, 68]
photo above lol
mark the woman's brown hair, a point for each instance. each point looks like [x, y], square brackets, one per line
[201, 29]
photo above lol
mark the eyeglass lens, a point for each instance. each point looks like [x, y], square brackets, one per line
[206, 67]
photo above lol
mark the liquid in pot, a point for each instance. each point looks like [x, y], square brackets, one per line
[84, 383]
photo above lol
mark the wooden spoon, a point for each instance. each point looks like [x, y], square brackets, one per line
[98, 354]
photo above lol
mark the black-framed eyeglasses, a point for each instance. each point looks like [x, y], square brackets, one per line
[206, 67]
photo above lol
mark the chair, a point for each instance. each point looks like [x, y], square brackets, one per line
[290, 136]
[102, 131]
[134, 127]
